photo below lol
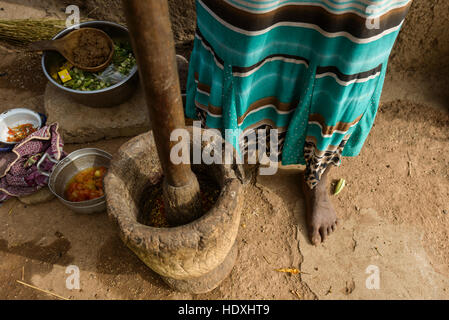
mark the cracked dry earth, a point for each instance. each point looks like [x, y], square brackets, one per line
[392, 215]
[394, 211]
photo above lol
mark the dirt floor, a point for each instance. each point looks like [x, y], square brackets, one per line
[394, 213]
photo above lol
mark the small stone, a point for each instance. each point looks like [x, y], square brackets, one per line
[41, 196]
[59, 234]
[81, 124]
[183, 71]
[444, 211]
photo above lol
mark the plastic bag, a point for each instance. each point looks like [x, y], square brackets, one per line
[111, 75]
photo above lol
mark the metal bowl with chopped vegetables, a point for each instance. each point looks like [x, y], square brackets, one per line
[17, 124]
[107, 88]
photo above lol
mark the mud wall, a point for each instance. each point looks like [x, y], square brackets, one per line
[182, 14]
[423, 44]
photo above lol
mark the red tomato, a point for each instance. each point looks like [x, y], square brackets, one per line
[86, 185]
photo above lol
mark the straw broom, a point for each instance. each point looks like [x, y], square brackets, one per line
[22, 32]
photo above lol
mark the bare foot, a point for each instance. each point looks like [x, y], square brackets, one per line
[321, 217]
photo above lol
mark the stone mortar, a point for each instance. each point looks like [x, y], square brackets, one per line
[190, 253]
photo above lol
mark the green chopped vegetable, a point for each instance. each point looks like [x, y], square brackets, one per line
[123, 62]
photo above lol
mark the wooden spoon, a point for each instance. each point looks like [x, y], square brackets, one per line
[68, 45]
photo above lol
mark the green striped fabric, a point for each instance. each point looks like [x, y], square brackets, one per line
[313, 69]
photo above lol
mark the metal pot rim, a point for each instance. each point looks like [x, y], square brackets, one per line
[66, 31]
[60, 166]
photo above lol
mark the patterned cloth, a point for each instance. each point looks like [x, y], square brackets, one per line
[18, 169]
[312, 69]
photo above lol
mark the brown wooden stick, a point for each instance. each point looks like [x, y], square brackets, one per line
[153, 43]
[154, 47]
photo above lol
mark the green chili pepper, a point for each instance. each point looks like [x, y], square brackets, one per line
[340, 185]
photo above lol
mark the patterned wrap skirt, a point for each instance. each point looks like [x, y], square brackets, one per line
[312, 69]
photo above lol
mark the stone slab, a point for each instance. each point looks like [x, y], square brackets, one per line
[80, 124]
